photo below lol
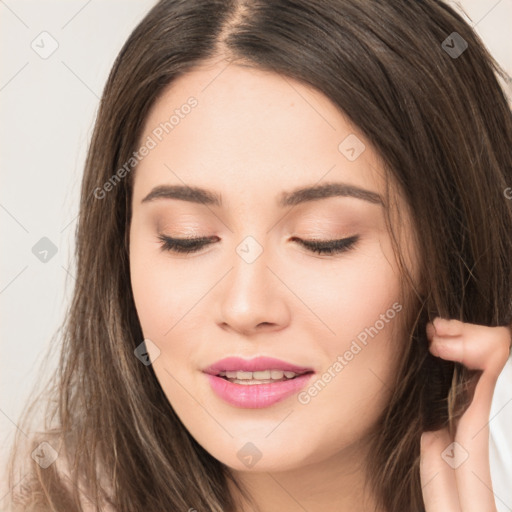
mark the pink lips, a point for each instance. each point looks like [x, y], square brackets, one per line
[255, 396]
[253, 365]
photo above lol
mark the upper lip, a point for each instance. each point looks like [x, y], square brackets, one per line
[253, 365]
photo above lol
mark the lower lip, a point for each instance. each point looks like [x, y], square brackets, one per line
[256, 396]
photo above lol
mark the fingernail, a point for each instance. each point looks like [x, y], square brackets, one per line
[431, 330]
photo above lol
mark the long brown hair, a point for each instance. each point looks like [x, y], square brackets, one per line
[442, 125]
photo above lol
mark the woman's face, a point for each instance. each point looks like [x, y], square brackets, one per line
[259, 145]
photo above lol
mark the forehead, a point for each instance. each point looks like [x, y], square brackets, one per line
[251, 130]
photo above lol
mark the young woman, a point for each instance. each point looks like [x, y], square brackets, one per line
[294, 281]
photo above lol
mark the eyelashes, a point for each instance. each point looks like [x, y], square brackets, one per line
[329, 246]
[193, 245]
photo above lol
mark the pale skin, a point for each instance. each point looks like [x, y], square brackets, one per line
[467, 486]
[252, 136]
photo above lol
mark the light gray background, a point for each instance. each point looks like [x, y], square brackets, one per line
[47, 107]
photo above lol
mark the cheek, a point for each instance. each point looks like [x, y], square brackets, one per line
[360, 361]
[353, 293]
[151, 296]
[366, 291]
[362, 309]
[162, 294]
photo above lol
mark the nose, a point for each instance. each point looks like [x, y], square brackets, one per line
[253, 299]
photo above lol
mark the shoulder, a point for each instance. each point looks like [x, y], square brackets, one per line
[46, 475]
[54, 478]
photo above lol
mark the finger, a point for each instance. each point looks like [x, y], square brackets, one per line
[448, 348]
[473, 473]
[486, 349]
[478, 347]
[431, 330]
[438, 481]
[448, 327]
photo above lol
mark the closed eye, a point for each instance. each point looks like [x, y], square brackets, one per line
[192, 245]
[329, 246]
[184, 245]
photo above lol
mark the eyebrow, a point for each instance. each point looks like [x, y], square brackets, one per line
[297, 196]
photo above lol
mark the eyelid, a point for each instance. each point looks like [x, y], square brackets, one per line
[189, 245]
[329, 247]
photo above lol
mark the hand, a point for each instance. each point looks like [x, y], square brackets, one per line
[455, 473]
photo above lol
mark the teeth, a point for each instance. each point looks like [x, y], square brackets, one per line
[262, 375]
